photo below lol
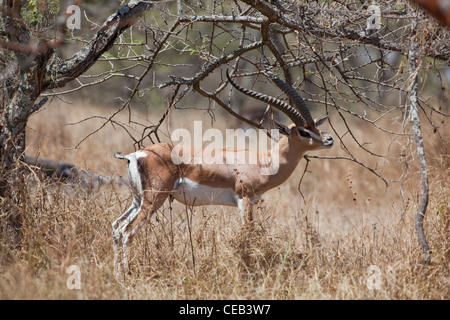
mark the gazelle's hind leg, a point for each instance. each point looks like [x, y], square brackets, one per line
[137, 218]
[150, 185]
[117, 227]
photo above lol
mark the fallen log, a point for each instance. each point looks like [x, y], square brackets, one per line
[68, 173]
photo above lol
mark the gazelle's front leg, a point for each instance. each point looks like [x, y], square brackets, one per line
[245, 205]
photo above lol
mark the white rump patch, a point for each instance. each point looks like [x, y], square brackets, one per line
[133, 172]
[140, 154]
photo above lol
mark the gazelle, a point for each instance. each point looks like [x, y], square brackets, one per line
[154, 176]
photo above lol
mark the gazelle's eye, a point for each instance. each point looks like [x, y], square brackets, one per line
[304, 134]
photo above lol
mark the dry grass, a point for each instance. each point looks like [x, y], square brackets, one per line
[319, 250]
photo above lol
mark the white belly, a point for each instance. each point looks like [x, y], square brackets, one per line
[193, 194]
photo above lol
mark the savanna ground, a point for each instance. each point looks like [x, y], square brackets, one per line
[350, 238]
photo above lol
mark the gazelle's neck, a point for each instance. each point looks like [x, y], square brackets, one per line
[290, 154]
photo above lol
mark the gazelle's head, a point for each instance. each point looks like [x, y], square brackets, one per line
[304, 130]
[307, 138]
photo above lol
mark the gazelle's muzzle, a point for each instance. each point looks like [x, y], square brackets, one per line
[327, 140]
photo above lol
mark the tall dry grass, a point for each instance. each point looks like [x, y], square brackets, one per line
[322, 248]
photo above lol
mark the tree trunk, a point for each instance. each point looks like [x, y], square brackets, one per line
[10, 181]
[14, 117]
[413, 60]
[12, 139]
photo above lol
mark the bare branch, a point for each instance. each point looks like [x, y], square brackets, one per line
[64, 71]
[212, 66]
[276, 16]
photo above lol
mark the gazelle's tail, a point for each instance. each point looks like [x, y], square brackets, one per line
[119, 156]
[134, 175]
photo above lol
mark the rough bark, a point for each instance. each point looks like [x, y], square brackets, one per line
[31, 69]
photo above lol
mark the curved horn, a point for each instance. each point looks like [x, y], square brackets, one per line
[287, 109]
[291, 93]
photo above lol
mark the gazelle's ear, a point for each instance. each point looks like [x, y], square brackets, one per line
[319, 121]
[283, 129]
